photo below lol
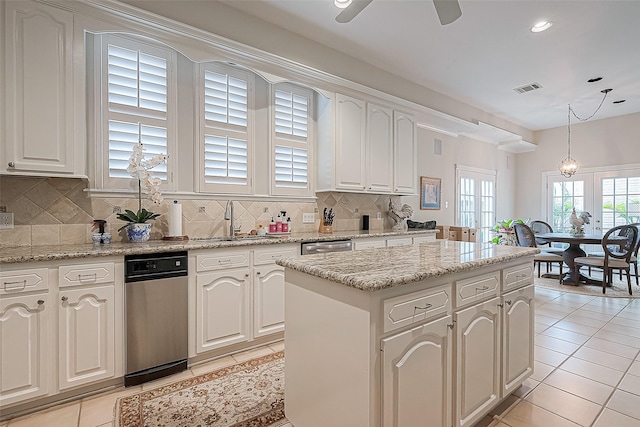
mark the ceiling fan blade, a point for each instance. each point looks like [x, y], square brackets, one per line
[447, 10]
[352, 10]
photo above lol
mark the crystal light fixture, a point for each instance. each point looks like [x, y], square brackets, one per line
[568, 166]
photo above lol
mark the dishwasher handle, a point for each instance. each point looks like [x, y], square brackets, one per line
[326, 247]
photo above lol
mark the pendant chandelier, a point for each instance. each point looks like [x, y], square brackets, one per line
[569, 166]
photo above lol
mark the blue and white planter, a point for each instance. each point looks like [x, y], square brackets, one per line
[137, 232]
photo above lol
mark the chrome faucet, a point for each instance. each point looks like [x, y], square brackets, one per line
[228, 214]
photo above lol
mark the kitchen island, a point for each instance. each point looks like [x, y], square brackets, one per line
[433, 334]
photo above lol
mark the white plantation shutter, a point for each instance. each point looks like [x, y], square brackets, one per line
[291, 140]
[137, 90]
[226, 129]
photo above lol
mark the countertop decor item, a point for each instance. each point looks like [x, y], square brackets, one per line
[326, 223]
[399, 216]
[578, 222]
[139, 169]
[504, 234]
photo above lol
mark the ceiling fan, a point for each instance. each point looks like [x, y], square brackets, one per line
[447, 10]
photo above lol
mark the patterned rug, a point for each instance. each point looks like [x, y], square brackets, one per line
[249, 394]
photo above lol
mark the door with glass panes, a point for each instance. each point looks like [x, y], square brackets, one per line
[476, 200]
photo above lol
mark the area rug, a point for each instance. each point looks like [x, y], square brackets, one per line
[619, 288]
[249, 394]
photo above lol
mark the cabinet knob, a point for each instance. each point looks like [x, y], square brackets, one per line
[11, 164]
[508, 302]
[258, 273]
[500, 305]
[40, 302]
[246, 275]
[64, 299]
[451, 325]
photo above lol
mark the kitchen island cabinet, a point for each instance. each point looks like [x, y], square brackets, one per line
[430, 334]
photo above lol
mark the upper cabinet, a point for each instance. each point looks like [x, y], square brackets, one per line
[373, 149]
[39, 92]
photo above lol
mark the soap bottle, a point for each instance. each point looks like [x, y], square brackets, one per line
[278, 224]
[288, 225]
[285, 226]
[272, 226]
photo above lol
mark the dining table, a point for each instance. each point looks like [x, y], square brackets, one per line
[572, 252]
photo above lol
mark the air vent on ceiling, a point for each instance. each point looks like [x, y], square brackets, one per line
[528, 88]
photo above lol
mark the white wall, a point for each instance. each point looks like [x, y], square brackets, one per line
[464, 152]
[596, 143]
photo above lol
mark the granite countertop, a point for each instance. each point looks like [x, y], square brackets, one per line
[375, 269]
[19, 254]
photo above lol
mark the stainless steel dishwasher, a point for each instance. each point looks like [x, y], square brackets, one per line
[156, 316]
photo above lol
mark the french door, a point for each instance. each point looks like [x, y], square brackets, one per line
[564, 195]
[619, 193]
[476, 200]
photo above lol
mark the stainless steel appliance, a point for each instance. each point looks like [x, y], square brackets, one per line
[156, 316]
[322, 247]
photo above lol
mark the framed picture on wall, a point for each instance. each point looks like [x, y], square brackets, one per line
[430, 192]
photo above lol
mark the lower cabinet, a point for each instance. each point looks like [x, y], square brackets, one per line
[86, 335]
[477, 349]
[268, 300]
[223, 308]
[26, 349]
[417, 376]
[518, 319]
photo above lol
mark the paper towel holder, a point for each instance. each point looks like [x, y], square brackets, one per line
[175, 238]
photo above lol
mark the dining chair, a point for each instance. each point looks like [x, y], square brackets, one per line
[539, 227]
[634, 256]
[526, 238]
[618, 245]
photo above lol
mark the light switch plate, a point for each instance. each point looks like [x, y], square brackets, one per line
[6, 220]
[308, 218]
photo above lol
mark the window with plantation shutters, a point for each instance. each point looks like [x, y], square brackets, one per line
[137, 85]
[291, 140]
[225, 129]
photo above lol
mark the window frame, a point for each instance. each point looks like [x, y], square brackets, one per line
[224, 130]
[103, 114]
[291, 141]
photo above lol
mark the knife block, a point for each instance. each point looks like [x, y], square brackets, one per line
[325, 229]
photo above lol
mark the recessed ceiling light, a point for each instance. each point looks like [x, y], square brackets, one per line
[595, 79]
[541, 26]
[342, 3]
[619, 102]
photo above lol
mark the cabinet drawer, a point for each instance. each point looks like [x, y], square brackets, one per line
[516, 277]
[423, 239]
[403, 241]
[417, 306]
[24, 280]
[369, 244]
[222, 260]
[269, 256]
[87, 274]
[477, 288]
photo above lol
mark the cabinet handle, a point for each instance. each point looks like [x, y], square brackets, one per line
[64, 299]
[87, 276]
[40, 302]
[16, 282]
[426, 306]
[500, 305]
[11, 164]
[451, 325]
[258, 273]
[484, 288]
[224, 261]
[508, 302]
[246, 275]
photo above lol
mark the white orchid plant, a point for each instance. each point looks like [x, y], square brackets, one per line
[139, 169]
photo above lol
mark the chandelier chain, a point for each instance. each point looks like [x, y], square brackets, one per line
[606, 92]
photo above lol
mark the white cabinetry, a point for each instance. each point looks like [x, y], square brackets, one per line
[26, 346]
[39, 91]
[416, 376]
[379, 143]
[405, 166]
[399, 241]
[518, 327]
[87, 323]
[369, 243]
[350, 119]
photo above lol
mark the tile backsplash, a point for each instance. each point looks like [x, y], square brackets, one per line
[51, 211]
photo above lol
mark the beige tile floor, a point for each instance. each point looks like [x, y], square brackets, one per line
[587, 371]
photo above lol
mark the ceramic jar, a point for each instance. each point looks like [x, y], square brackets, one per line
[137, 232]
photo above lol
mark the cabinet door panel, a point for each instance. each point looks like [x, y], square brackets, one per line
[477, 360]
[268, 302]
[416, 376]
[25, 348]
[222, 311]
[518, 333]
[405, 166]
[379, 149]
[350, 143]
[86, 335]
[39, 93]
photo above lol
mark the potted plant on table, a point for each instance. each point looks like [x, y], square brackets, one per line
[137, 226]
[504, 232]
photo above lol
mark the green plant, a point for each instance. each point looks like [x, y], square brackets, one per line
[504, 231]
[141, 217]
